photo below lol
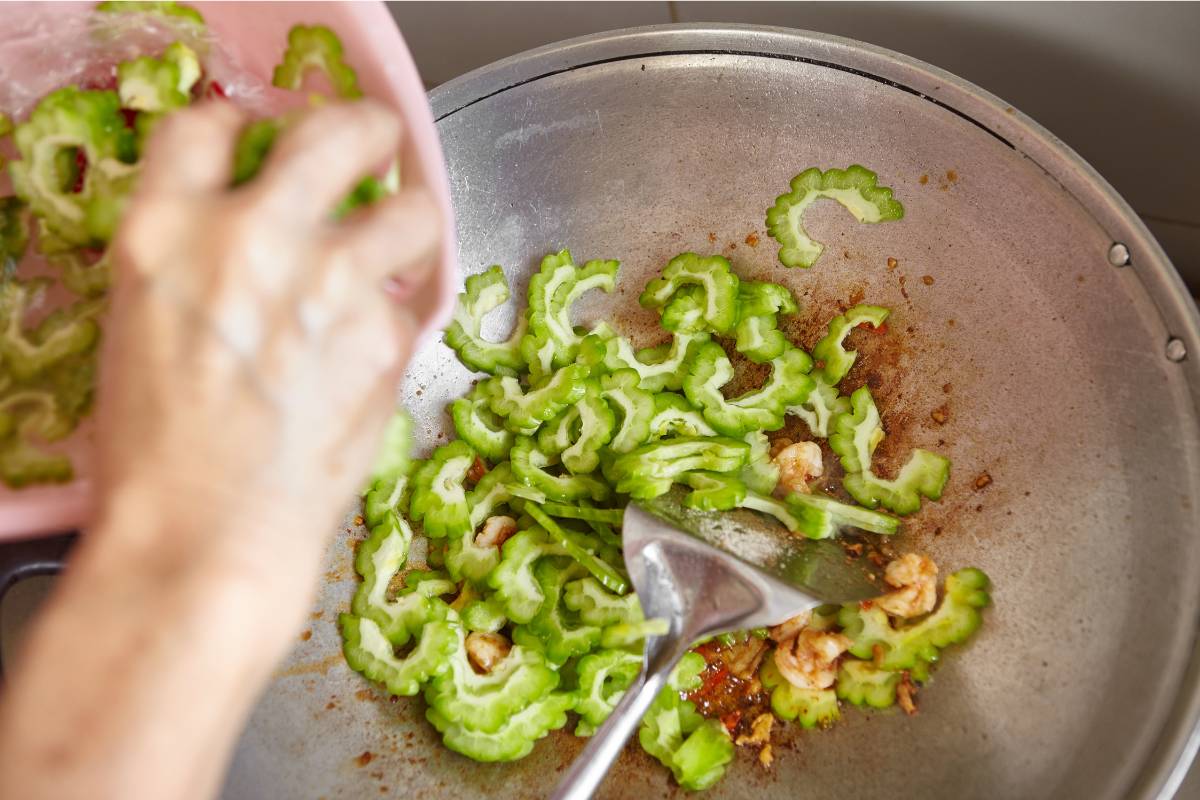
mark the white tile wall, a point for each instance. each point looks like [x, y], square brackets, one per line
[1119, 82]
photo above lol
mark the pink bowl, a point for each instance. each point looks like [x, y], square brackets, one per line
[255, 34]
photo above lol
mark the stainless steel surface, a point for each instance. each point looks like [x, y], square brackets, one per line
[700, 590]
[641, 144]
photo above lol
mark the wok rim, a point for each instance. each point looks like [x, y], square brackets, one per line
[1176, 745]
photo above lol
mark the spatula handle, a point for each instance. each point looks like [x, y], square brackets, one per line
[591, 765]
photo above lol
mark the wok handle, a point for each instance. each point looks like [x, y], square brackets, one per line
[593, 763]
[31, 558]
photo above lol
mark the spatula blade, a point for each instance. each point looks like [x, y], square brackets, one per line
[819, 567]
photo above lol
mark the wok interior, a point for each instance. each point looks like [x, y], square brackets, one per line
[1005, 311]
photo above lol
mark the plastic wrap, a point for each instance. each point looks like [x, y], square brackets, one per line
[43, 50]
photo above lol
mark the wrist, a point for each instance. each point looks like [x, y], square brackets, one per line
[167, 543]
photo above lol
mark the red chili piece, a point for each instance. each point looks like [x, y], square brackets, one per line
[81, 165]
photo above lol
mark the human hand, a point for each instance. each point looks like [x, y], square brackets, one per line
[253, 354]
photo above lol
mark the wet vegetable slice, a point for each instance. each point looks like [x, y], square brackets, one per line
[855, 188]
[316, 47]
[484, 293]
[856, 434]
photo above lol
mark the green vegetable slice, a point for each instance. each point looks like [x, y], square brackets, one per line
[760, 305]
[14, 233]
[369, 652]
[555, 631]
[760, 409]
[551, 340]
[860, 683]
[439, 500]
[529, 466]
[696, 750]
[525, 411]
[83, 275]
[856, 434]
[855, 188]
[512, 740]
[485, 615]
[713, 491]
[480, 427]
[612, 516]
[628, 634]
[845, 515]
[513, 578]
[674, 415]
[809, 707]
[604, 676]
[660, 367]
[601, 570]
[903, 647]
[831, 349]
[484, 293]
[482, 702]
[316, 47]
[252, 147]
[162, 8]
[760, 474]
[650, 470]
[713, 274]
[66, 122]
[581, 431]
[821, 406]
[596, 605]
[635, 407]
[380, 558]
[28, 352]
[35, 414]
[393, 459]
[159, 85]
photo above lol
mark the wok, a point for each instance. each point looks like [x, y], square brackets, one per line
[1027, 298]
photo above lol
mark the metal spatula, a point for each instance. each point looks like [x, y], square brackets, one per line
[684, 570]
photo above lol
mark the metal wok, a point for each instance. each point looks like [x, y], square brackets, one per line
[1027, 298]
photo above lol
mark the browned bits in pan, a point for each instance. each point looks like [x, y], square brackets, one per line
[927, 280]
[892, 263]
[940, 414]
[982, 481]
[752, 239]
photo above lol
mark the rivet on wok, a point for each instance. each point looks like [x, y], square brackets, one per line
[1176, 349]
[1118, 255]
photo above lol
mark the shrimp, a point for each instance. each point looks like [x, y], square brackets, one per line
[486, 650]
[810, 660]
[915, 578]
[798, 464]
[496, 531]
